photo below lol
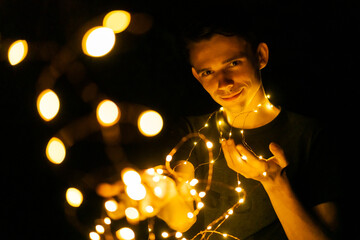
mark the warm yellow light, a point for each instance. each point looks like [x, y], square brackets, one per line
[117, 20]
[238, 189]
[178, 234]
[48, 104]
[200, 205]
[130, 176]
[100, 228]
[209, 145]
[111, 205]
[132, 213]
[202, 194]
[107, 221]
[125, 234]
[136, 191]
[165, 234]
[107, 113]
[149, 209]
[190, 215]
[150, 123]
[74, 197]
[98, 41]
[94, 236]
[55, 151]
[17, 51]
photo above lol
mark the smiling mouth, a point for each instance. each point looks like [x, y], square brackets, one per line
[231, 97]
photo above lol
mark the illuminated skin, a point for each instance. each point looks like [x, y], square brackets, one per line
[229, 72]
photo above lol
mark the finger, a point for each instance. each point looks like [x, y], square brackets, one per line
[226, 152]
[235, 160]
[255, 162]
[278, 154]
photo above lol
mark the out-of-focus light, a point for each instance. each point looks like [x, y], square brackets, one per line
[55, 151]
[107, 113]
[165, 234]
[98, 41]
[48, 104]
[117, 20]
[94, 236]
[136, 191]
[130, 176]
[74, 197]
[132, 213]
[150, 123]
[111, 205]
[17, 51]
[107, 221]
[100, 228]
[125, 234]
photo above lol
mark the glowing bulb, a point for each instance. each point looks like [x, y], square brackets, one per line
[132, 213]
[98, 41]
[74, 197]
[178, 234]
[17, 51]
[149, 209]
[190, 215]
[225, 235]
[194, 182]
[209, 145]
[165, 234]
[136, 191]
[130, 177]
[158, 191]
[264, 174]
[100, 228]
[125, 234]
[238, 189]
[244, 157]
[94, 236]
[107, 221]
[107, 113]
[111, 205]
[168, 158]
[193, 192]
[55, 151]
[268, 96]
[202, 194]
[48, 104]
[118, 20]
[200, 205]
[230, 211]
[241, 200]
[150, 123]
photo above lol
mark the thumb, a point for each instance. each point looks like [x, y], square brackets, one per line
[278, 154]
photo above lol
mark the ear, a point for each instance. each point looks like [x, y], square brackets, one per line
[262, 55]
[195, 74]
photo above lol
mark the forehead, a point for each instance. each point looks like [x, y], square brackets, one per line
[217, 48]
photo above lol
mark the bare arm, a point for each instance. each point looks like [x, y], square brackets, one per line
[298, 222]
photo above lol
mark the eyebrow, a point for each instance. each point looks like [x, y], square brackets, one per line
[237, 56]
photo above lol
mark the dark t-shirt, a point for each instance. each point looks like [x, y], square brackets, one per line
[311, 172]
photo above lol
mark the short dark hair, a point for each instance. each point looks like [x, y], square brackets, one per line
[232, 22]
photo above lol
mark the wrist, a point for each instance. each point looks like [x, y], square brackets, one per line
[275, 183]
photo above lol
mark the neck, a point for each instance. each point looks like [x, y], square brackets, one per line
[258, 113]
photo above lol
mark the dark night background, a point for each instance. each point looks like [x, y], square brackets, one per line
[311, 71]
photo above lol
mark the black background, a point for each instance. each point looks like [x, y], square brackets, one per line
[311, 71]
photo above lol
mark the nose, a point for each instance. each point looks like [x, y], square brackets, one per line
[225, 82]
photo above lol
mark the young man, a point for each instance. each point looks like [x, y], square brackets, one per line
[282, 159]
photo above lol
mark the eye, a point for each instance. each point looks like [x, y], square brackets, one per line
[234, 63]
[205, 73]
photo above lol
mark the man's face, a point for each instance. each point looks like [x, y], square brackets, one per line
[226, 68]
